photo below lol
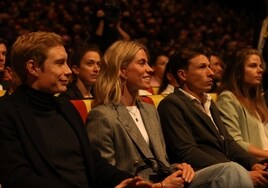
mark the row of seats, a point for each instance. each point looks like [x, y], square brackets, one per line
[84, 106]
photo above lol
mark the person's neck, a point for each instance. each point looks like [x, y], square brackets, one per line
[157, 78]
[85, 90]
[39, 100]
[199, 96]
[129, 98]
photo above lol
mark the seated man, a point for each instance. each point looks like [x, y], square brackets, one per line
[43, 141]
[191, 123]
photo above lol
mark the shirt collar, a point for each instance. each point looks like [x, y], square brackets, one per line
[206, 97]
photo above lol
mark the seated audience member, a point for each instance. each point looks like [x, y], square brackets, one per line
[108, 28]
[217, 66]
[12, 78]
[193, 130]
[158, 65]
[168, 83]
[3, 52]
[127, 131]
[241, 104]
[85, 65]
[43, 140]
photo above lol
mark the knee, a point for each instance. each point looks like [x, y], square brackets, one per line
[235, 167]
[239, 174]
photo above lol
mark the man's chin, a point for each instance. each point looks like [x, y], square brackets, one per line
[207, 89]
[61, 89]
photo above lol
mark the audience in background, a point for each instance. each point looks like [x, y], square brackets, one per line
[191, 123]
[108, 30]
[158, 64]
[168, 82]
[240, 102]
[85, 66]
[217, 66]
[3, 54]
[128, 133]
[162, 24]
[11, 78]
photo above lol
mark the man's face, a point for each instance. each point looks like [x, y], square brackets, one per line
[53, 76]
[198, 76]
[3, 52]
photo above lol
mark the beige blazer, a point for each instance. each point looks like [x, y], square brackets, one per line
[244, 127]
[114, 132]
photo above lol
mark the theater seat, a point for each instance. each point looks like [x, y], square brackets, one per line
[2, 93]
[213, 96]
[147, 99]
[83, 107]
[156, 99]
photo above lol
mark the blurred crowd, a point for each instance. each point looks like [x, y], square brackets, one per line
[160, 24]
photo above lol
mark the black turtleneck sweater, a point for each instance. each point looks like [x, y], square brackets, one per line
[59, 137]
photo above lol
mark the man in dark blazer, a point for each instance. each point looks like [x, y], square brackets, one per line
[191, 123]
[43, 140]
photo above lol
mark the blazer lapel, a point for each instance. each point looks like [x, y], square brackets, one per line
[156, 143]
[216, 117]
[207, 120]
[131, 128]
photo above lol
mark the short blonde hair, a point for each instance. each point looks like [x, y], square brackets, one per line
[32, 46]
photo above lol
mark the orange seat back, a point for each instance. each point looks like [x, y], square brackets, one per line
[81, 108]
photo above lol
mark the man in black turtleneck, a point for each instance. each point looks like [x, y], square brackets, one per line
[43, 141]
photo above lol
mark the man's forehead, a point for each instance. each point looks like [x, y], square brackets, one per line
[199, 59]
[56, 51]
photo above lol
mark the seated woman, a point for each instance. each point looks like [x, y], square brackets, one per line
[168, 82]
[85, 65]
[127, 131]
[240, 102]
[159, 62]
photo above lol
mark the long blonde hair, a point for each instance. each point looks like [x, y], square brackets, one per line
[109, 82]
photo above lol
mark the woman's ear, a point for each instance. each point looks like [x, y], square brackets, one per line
[122, 74]
[32, 67]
